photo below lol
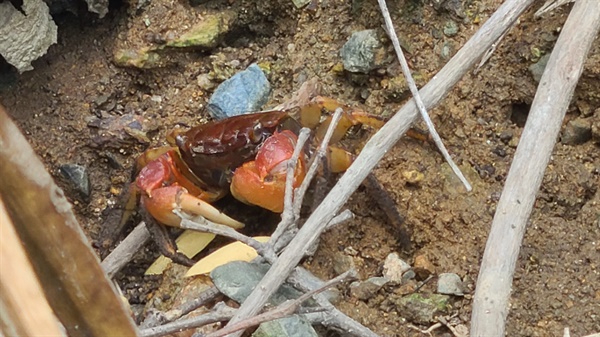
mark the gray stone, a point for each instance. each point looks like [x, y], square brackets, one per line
[300, 3]
[421, 309]
[77, 177]
[450, 284]
[245, 92]
[577, 131]
[450, 28]
[25, 38]
[237, 280]
[360, 53]
[292, 326]
[537, 69]
[394, 267]
[367, 289]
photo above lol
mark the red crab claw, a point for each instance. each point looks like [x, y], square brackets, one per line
[262, 182]
[164, 189]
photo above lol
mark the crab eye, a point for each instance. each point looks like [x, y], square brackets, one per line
[256, 135]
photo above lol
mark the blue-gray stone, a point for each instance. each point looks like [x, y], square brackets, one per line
[245, 92]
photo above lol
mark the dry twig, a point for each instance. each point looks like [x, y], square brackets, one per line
[374, 150]
[490, 305]
[415, 92]
[124, 252]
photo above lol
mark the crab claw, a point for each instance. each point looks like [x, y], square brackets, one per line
[262, 182]
[161, 203]
[164, 188]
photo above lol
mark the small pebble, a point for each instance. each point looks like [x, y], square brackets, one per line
[360, 53]
[342, 263]
[450, 28]
[450, 284]
[367, 289]
[413, 177]
[394, 267]
[577, 131]
[537, 69]
[77, 177]
[423, 267]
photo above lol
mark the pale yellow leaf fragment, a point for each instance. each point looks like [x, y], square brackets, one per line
[189, 243]
[236, 251]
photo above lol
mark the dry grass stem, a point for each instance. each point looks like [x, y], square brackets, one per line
[415, 92]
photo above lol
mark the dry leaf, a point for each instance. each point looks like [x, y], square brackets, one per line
[236, 251]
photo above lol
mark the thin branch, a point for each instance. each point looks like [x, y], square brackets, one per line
[221, 312]
[316, 160]
[124, 252]
[415, 92]
[199, 223]
[490, 304]
[374, 150]
[287, 217]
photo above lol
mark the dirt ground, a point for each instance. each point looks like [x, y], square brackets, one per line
[557, 282]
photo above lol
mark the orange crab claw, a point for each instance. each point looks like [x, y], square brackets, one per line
[165, 188]
[164, 200]
[262, 182]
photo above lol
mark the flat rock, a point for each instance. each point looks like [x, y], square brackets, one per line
[237, 280]
[292, 326]
[245, 92]
[25, 38]
[450, 284]
[367, 289]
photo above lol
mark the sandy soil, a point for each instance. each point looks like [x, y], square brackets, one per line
[557, 281]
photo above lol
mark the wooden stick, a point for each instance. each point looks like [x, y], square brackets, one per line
[25, 311]
[124, 252]
[548, 109]
[374, 150]
[69, 271]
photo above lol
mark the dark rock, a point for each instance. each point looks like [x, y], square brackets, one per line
[577, 131]
[245, 92]
[77, 177]
[362, 52]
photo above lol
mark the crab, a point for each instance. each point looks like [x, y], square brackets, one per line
[243, 155]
